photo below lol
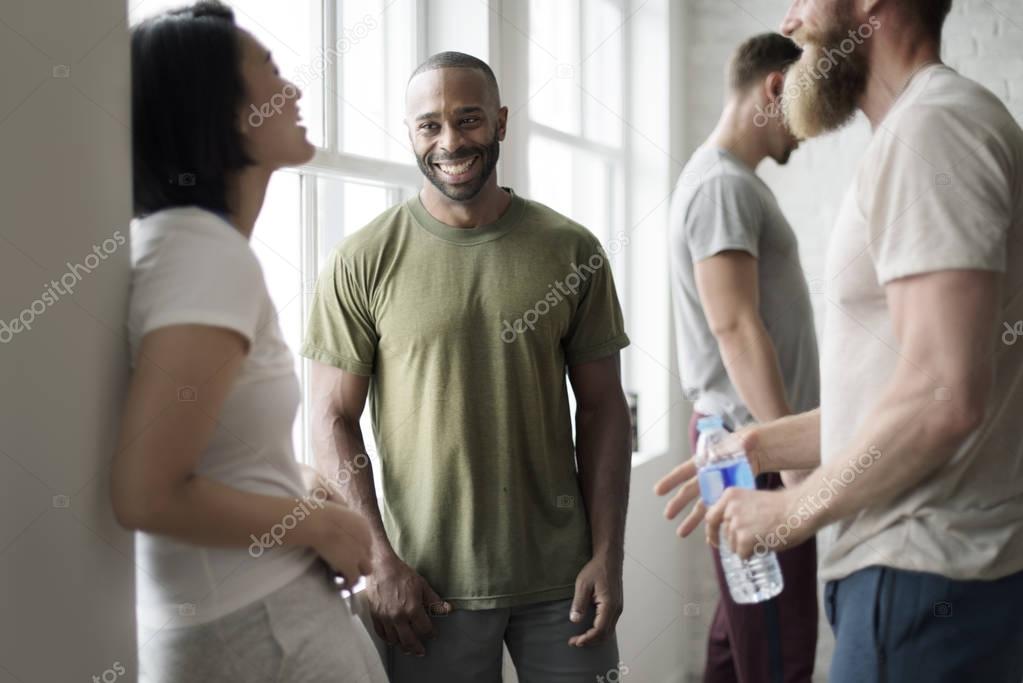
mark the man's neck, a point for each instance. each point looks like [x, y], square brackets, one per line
[890, 76]
[736, 134]
[483, 209]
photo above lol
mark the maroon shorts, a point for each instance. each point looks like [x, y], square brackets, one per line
[773, 641]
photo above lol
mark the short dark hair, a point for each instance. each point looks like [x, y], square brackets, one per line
[759, 56]
[931, 14]
[187, 88]
[458, 60]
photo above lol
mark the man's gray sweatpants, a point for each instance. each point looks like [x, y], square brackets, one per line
[470, 643]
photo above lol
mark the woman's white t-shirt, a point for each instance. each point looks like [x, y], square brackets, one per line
[189, 266]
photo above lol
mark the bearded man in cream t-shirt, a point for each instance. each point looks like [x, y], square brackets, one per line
[918, 442]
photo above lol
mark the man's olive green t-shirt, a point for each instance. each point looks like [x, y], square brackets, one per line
[467, 334]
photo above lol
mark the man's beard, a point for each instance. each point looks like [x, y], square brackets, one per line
[466, 191]
[823, 89]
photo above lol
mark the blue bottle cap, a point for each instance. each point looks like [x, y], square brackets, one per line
[710, 422]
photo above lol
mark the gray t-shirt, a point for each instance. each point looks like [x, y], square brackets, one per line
[720, 205]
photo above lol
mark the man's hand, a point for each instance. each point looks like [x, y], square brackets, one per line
[684, 478]
[400, 602]
[758, 521]
[599, 583]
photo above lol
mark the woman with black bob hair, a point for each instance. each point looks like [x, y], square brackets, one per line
[236, 557]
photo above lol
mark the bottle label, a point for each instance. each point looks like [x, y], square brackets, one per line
[718, 476]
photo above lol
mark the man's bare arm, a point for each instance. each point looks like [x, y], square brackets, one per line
[604, 454]
[791, 443]
[936, 397]
[337, 403]
[398, 597]
[730, 295]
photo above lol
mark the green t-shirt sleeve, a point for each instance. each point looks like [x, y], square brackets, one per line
[597, 328]
[341, 330]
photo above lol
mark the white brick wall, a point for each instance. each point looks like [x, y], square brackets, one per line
[983, 40]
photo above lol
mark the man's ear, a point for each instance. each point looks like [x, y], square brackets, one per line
[502, 123]
[408, 129]
[774, 86]
[870, 6]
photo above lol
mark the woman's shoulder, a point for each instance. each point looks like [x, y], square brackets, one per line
[191, 239]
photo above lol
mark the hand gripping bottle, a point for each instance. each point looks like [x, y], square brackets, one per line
[722, 463]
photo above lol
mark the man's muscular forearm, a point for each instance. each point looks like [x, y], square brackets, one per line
[791, 443]
[346, 461]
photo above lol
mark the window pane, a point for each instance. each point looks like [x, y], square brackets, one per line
[554, 64]
[292, 32]
[343, 208]
[573, 182]
[602, 71]
[377, 47]
[277, 241]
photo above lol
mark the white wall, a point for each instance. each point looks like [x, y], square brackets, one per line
[66, 573]
[983, 39]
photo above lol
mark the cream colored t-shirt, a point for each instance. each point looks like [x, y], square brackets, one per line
[939, 188]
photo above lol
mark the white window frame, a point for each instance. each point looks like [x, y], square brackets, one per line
[329, 161]
[511, 20]
[500, 21]
[651, 146]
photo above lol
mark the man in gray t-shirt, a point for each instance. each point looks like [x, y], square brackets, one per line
[721, 206]
[746, 343]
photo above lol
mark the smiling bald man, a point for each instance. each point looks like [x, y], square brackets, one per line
[459, 313]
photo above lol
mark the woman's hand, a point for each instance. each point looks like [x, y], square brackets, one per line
[344, 541]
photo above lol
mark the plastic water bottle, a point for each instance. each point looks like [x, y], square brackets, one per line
[722, 463]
